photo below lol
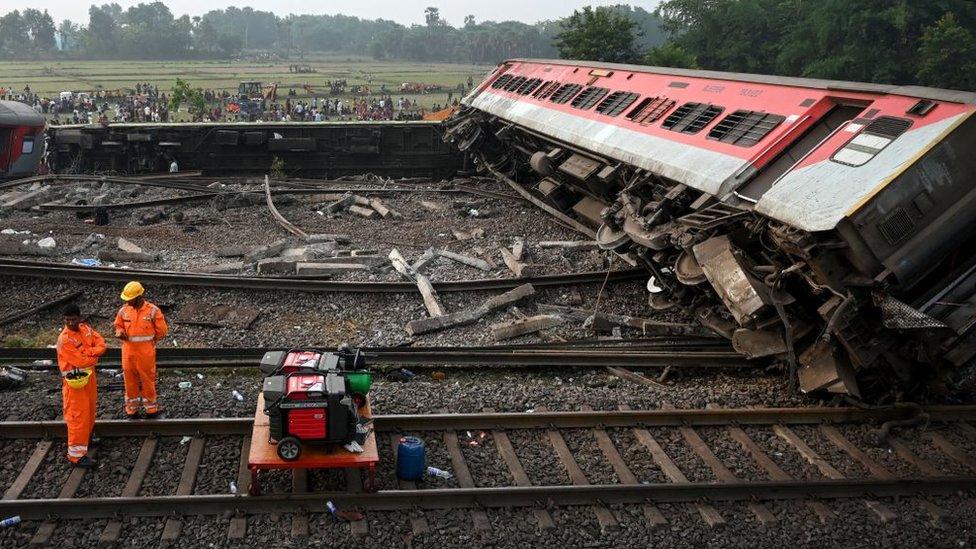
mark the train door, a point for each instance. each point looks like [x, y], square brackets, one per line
[816, 134]
[5, 135]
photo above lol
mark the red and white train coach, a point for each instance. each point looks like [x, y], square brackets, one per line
[21, 139]
[830, 224]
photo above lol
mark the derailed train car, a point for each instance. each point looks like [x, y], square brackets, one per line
[21, 140]
[827, 224]
[310, 149]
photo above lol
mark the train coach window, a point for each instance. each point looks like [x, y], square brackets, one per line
[565, 93]
[515, 83]
[589, 97]
[871, 141]
[526, 87]
[28, 146]
[650, 109]
[923, 107]
[616, 103]
[745, 128]
[501, 81]
[546, 89]
[691, 117]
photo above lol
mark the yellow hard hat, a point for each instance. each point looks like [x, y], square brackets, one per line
[132, 290]
[77, 379]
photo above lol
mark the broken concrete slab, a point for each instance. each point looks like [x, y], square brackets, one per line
[433, 206]
[232, 251]
[382, 208]
[322, 238]
[277, 265]
[126, 257]
[329, 268]
[469, 316]
[368, 213]
[28, 200]
[518, 249]
[128, 246]
[229, 267]
[465, 260]
[361, 200]
[431, 300]
[468, 235]
[269, 250]
[17, 247]
[513, 264]
[524, 326]
[425, 259]
[341, 204]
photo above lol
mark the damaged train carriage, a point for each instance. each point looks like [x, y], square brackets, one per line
[827, 224]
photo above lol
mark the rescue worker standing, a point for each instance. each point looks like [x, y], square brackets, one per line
[79, 347]
[139, 325]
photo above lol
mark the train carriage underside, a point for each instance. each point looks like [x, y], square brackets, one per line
[859, 276]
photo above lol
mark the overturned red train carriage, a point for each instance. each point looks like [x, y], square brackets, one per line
[828, 224]
[21, 140]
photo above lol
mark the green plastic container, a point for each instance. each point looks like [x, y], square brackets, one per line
[359, 382]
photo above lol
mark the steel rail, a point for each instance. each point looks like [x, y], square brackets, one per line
[33, 269]
[527, 358]
[518, 420]
[465, 498]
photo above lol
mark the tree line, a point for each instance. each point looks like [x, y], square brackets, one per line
[928, 42]
[151, 31]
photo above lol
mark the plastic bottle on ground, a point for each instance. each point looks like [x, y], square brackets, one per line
[435, 472]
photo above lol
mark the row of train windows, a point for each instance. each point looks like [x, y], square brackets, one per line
[744, 128]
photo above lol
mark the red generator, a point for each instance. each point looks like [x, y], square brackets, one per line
[294, 360]
[311, 408]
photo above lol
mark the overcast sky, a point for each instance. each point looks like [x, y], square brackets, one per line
[402, 11]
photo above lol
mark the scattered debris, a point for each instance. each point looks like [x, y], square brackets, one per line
[12, 378]
[203, 314]
[469, 316]
[127, 257]
[431, 301]
[329, 268]
[229, 267]
[433, 206]
[368, 213]
[603, 321]
[382, 208]
[67, 298]
[468, 235]
[128, 246]
[465, 260]
[571, 245]
[523, 326]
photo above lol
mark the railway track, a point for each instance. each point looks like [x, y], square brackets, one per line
[657, 436]
[35, 269]
[689, 353]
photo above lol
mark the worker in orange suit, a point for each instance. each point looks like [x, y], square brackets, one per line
[139, 325]
[79, 347]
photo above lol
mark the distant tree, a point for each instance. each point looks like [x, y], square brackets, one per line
[376, 49]
[598, 34]
[469, 21]
[68, 33]
[670, 55]
[947, 55]
[14, 39]
[101, 37]
[432, 16]
[40, 28]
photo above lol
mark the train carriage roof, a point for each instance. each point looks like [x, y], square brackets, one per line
[921, 92]
[13, 113]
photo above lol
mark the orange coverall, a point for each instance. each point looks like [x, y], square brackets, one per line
[143, 327]
[79, 350]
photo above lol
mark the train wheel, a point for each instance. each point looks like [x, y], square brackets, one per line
[289, 448]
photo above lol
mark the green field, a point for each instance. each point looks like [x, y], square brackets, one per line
[48, 78]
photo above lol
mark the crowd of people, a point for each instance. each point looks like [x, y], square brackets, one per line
[145, 103]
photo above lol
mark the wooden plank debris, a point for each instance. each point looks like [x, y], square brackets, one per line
[431, 300]
[524, 326]
[469, 316]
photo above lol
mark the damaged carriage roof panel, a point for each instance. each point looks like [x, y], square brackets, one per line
[802, 150]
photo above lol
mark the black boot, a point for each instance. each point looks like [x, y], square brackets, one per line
[86, 463]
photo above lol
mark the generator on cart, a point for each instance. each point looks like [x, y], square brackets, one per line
[313, 397]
